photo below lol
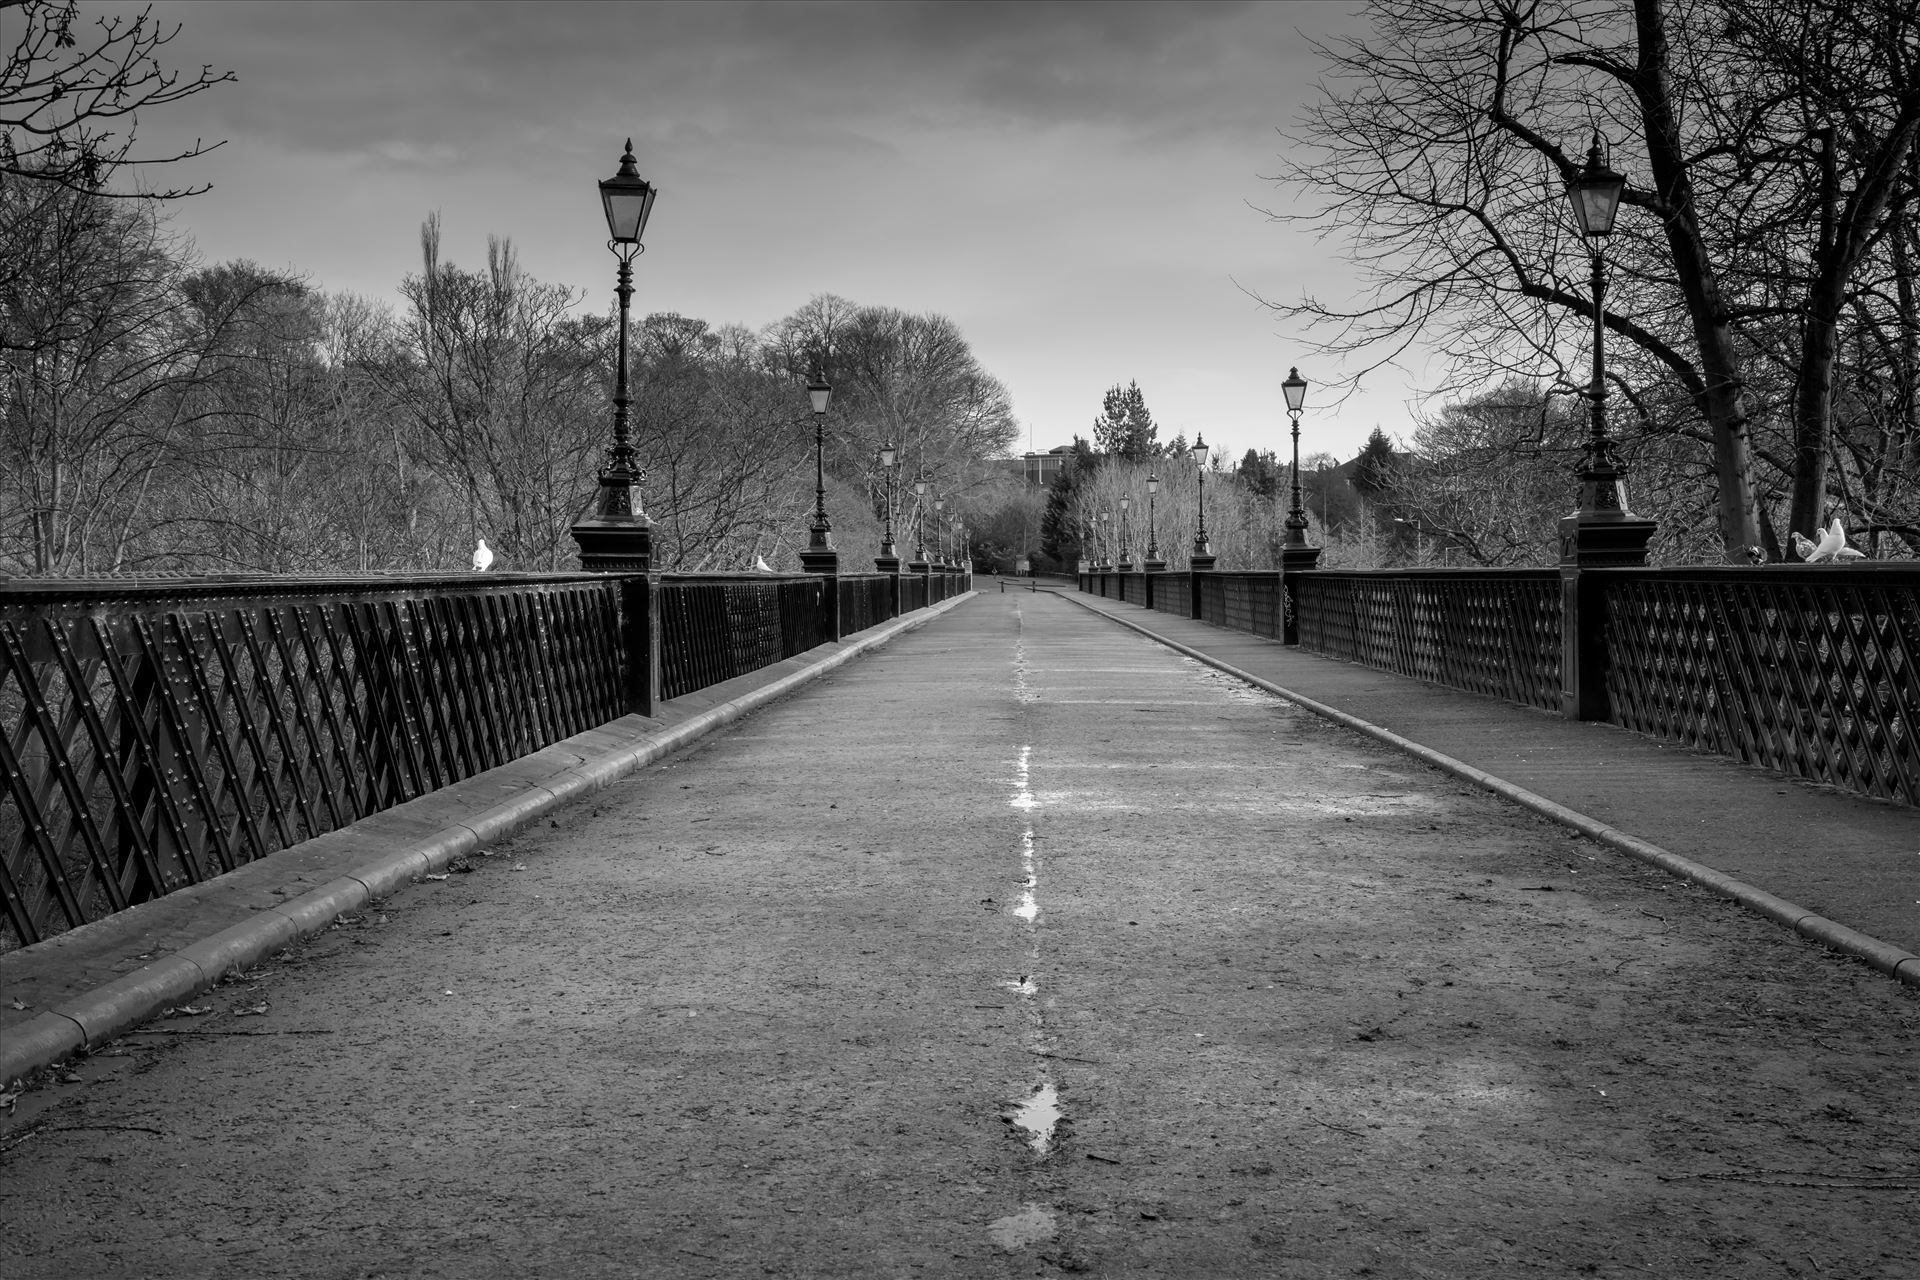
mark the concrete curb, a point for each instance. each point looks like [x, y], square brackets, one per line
[110, 1010]
[1895, 962]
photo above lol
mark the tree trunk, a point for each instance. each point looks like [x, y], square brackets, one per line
[1721, 401]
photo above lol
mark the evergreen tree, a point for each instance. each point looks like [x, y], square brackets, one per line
[1376, 468]
[1059, 536]
[1260, 472]
[1125, 429]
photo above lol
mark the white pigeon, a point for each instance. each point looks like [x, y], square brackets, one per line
[1831, 540]
[760, 565]
[1841, 551]
[482, 557]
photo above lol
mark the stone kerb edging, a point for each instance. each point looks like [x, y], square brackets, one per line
[1896, 962]
[110, 1010]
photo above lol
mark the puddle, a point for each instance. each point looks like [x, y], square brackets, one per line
[1038, 1115]
[1016, 1231]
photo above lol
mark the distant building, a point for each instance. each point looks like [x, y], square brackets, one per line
[1041, 468]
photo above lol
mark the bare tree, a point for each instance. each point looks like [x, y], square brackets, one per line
[1444, 143]
[70, 94]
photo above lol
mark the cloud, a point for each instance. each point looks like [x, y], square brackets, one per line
[353, 77]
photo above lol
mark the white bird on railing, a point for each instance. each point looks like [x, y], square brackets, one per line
[1841, 551]
[482, 557]
[1831, 540]
[760, 565]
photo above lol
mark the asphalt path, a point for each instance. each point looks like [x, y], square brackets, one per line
[1021, 946]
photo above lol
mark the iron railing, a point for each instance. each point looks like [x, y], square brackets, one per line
[157, 733]
[1487, 631]
[1809, 670]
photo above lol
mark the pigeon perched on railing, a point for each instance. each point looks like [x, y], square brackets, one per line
[482, 557]
[760, 565]
[1841, 551]
[1832, 547]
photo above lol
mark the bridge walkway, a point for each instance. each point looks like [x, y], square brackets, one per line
[1852, 860]
[1021, 946]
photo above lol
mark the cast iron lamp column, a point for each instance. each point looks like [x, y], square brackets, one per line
[820, 557]
[615, 536]
[1153, 563]
[1603, 531]
[1202, 557]
[888, 561]
[940, 532]
[920, 484]
[1125, 564]
[1104, 541]
[1296, 556]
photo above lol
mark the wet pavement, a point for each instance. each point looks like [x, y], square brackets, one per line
[1021, 946]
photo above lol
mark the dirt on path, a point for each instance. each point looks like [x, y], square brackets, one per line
[802, 1002]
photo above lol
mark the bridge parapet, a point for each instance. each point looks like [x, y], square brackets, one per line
[157, 732]
[1811, 670]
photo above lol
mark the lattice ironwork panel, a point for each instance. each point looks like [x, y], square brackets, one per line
[1493, 632]
[1808, 671]
[1173, 593]
[155, 735]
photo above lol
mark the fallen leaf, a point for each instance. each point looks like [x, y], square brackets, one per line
[441, 876]
[255, 1011]
[186, 1011]
[18, 1005]
[519, 866]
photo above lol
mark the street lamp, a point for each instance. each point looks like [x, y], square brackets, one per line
[1153, 563]
[820, 557]
[888, 561]
[940, 529]
[1419, 548]
[616, 534]
[920, 485]
[1126, 561]
[1295, 389]
[1106, 537]
[1202, 556]
[1602, 531]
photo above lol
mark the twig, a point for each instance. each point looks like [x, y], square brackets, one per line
[1337, 1128]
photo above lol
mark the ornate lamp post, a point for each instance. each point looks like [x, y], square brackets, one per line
[820, 557]
[920, 486]
[1603, 531]
[615, 535]
[1295, 389]
[1153, 563]
[1126, 560]
[1106, 539]
[888, 561]
[1296, 556]
[940, 531]
[1202, 557]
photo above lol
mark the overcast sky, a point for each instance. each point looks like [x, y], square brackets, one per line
[1077, 185]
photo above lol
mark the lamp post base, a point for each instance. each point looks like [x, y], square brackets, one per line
[611, 537]
[820, 560]
[1590, 540]
[886, 563]
[1153, 564]
[1202, 561]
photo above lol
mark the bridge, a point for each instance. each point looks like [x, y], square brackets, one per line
[896, 924]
